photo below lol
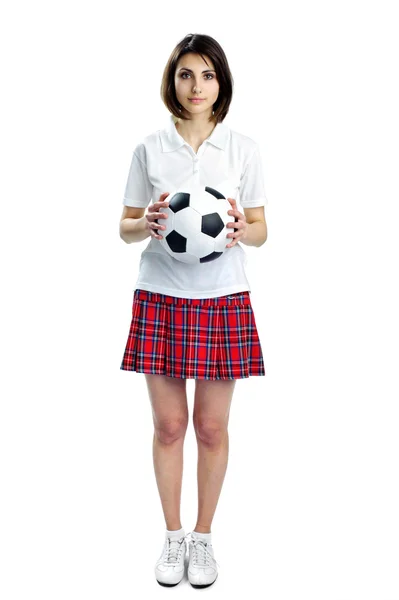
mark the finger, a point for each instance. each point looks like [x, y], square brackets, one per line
[159, 205]
[231, 235]
[156, 225]
[236, 226]
[157, 215]
[154, 232]
[160, 202]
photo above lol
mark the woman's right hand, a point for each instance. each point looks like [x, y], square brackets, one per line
[153, 215]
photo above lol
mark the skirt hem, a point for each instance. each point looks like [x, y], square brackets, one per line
[191, 376]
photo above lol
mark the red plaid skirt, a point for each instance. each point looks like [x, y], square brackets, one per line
[204, 338]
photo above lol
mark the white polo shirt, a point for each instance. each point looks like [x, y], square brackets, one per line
[227, 161]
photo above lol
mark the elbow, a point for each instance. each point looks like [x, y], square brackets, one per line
[121, 235]
[263, 241]
[122, 232]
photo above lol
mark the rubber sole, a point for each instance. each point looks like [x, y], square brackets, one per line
[168, 584]
[195, 585]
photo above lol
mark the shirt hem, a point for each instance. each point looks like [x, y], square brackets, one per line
[262, 201]
[232, 289]
[134, 203]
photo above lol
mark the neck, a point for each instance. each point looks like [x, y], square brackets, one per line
[198, 126]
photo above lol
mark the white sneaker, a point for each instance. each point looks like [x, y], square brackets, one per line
[202, 569]
[169, 568]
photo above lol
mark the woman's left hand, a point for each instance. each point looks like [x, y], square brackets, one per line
[241, 225]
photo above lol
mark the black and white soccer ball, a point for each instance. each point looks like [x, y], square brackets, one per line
[195, 230]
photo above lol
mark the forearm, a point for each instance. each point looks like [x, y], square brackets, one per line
[133, 230]
[256, 234]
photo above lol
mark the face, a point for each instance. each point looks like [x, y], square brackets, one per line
[195, 78]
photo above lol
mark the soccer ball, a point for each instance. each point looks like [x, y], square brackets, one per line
[196, 225]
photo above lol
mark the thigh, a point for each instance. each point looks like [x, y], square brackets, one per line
[168, 398]
[212, 400]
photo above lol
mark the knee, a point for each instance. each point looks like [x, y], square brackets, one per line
[169, 430]
[209, 431]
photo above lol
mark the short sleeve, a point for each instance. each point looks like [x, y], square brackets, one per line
[252, 191]
[139, 189]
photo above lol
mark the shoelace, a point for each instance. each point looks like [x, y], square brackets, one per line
[173, 549]
[201, 552]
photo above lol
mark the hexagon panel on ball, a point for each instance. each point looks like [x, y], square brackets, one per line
[200, 245]
[187, 222]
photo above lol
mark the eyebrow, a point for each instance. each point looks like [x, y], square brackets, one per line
[206, 70]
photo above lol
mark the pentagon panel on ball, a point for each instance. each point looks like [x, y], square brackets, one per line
[196, 229]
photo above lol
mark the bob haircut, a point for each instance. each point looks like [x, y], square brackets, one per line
[202, 45]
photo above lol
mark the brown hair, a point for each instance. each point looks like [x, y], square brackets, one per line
[200, 44]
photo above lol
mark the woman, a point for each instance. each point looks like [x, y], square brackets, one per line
[193, 321]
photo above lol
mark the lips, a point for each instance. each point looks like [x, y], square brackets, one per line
[196, 100]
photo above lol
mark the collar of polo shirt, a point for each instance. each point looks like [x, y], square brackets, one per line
[171, 138]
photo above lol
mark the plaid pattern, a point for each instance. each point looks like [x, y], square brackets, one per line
[204, 338]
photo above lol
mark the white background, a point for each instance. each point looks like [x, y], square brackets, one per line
[308, 509]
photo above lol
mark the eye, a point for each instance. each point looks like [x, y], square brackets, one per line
[206, 75]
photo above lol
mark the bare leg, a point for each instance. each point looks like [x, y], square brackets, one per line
[211, 415]
[170, 415]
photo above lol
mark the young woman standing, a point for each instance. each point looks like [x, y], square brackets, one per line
[193, 321]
